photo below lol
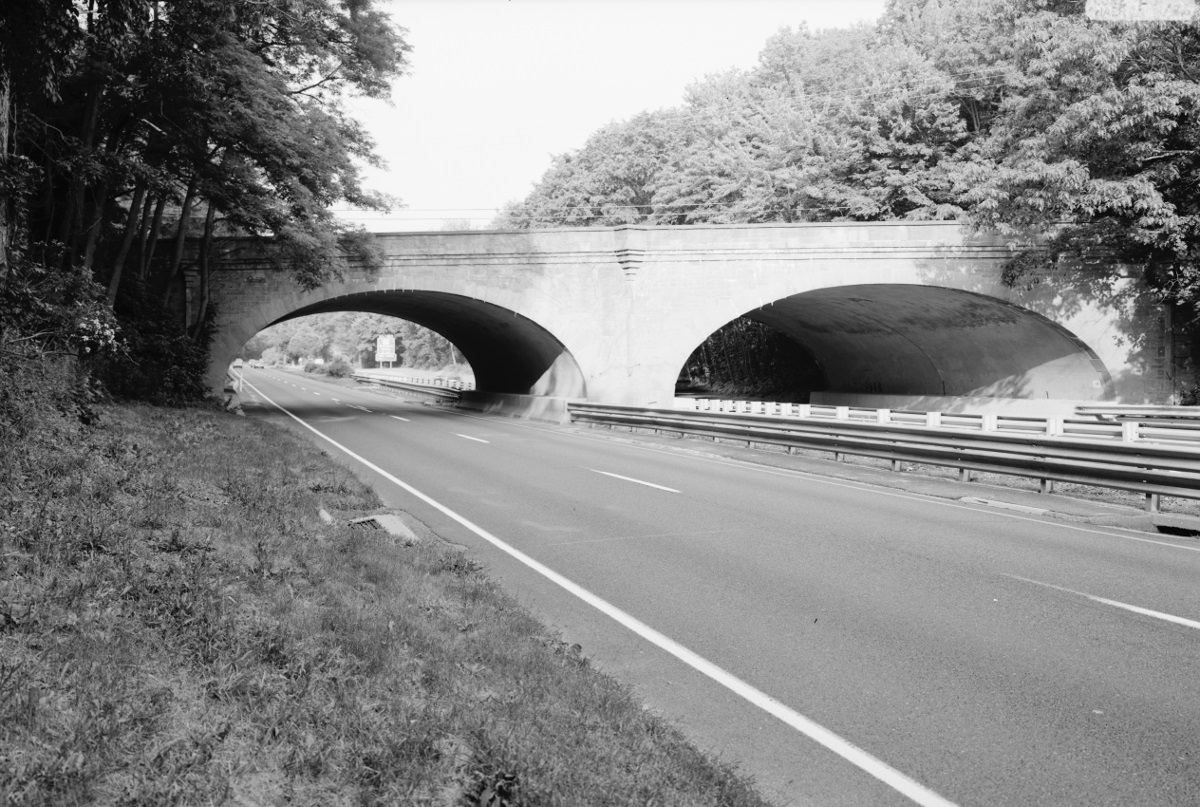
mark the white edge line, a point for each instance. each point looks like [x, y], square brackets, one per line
[1137, 609]
[885, 773]
[636, 481]
[397, 417]
[469, 437]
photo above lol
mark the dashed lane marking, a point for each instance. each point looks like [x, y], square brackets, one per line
[636, 481]
[1137, 609]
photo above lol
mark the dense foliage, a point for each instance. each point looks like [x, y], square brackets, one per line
[128, 125]
[1022, 117]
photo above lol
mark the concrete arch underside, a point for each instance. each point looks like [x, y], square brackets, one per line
[917, 342]
[509, 353]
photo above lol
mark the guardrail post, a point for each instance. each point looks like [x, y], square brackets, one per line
[804, 410]
[883, 415]
[1054, 427]
[933, 419]
[842, 413]
[1046, 485]
[990, 422]
[1129, 431]
[1152, 502]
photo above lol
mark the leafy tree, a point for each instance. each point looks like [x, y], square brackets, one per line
[612, 180]
[751, 156]
[969, 42]
[837, 125]
[843, 124]
[148, 121]
[307, 343]
[1101, 150]
[424, 348]
[1083, 145]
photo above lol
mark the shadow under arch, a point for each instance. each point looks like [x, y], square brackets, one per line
[509, 353]
[918, 341]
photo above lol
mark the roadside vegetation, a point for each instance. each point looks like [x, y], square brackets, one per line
[178, 625]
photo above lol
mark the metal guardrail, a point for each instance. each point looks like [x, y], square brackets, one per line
[415, 386]
[1125, 423]
[1152, 468]
[1118, 411]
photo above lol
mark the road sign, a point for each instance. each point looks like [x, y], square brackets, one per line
[385, 349]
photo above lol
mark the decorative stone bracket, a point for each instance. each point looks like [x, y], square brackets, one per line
[629, 247]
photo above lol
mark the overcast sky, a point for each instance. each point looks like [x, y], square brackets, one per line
[497, 87]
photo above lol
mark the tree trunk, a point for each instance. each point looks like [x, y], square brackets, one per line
[150, 237]
[96, 228]
[131, 231]
[72, 224]
[180, 238]
[210, 220]
[5, 200]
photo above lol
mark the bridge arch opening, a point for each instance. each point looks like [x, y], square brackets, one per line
[900, 344]
[508, 353]
[347, 340]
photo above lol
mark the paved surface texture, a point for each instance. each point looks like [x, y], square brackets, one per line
[982, 654]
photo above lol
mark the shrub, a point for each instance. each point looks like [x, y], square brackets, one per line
[338, 368]
[160, 362]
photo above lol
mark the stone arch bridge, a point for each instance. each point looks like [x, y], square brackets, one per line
[893, 314]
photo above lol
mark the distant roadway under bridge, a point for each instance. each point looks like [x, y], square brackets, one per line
[893, 314]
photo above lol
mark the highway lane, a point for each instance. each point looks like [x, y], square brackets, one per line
[985, 655]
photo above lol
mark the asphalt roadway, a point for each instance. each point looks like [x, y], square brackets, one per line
[840, 642]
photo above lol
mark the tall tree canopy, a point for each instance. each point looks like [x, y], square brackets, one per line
[130, 122]
[1078, 139]
[1022, 117]
[1095, 144]
[837, 125]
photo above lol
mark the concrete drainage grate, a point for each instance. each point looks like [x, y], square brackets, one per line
[393, 525]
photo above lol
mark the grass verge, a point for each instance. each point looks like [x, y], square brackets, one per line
[178, 626]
